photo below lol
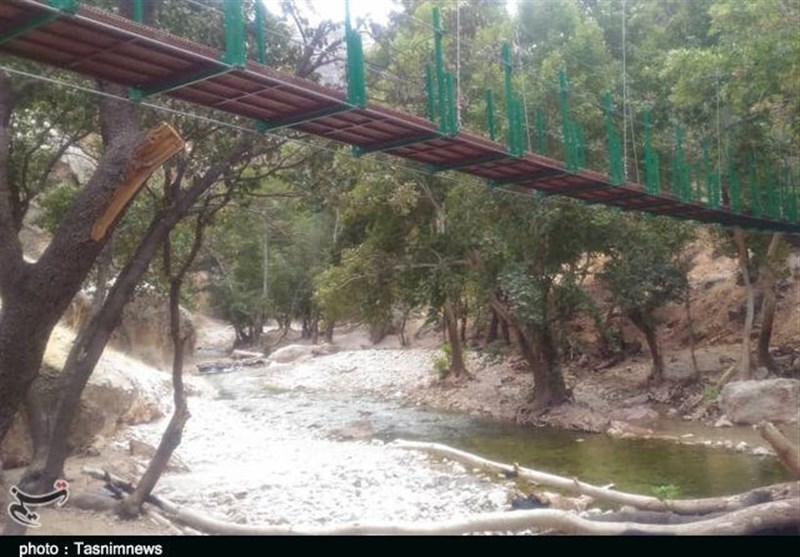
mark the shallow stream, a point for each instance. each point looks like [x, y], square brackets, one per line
[307, 444]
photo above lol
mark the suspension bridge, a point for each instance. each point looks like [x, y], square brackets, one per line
[96, 43]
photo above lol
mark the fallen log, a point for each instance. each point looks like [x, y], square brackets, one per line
[787, 452]
[641, 502]
[776, 515]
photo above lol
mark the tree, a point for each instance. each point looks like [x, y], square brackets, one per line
[35, 295]
[533, 260]
[646, 270]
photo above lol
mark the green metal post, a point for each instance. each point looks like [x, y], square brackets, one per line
[451, 127]
[514, 110]
[652, 172]
[490, 114]
[510, 112]
[697, 190]
[235, 52]
[441, 90]
[681, 175]
[615, 166]
[772, 197]
[356, 82]
[712, 180]
[69, 6]
[567, 126]
[138, 11]
[734, 186]
[430, 89]
[756, 208]
[541, 131]
[523, 136]
[261, 32]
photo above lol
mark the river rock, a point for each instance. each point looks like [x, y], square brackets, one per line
[682, 368]
[641, 416]
[750, 402]
[357, 429]
[291, 353]
[624, 430]
[575, 416]
[723, 421]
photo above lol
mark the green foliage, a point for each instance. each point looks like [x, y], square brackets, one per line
[54, 203]
[710, 393]
[666, 492]
[646, 268]
[441, 363]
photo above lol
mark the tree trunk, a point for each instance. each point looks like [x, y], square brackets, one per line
[744, 370]
[768, 304]
[329, 325]
[505, 331]
[650, 336]
[131, 506]
[494, 324]
[36, 295]
[457, 366]
[549, 388]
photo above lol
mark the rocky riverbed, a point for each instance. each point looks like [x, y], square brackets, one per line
[300, 444]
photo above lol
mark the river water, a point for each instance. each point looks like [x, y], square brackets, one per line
[309, 443]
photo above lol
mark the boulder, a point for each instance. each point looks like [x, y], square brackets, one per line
[750, 402]
[120, 391]
[575, 416]
[641, 416]
[299, 352]
[292, 353]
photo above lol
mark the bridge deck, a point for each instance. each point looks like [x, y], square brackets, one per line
[102, 45]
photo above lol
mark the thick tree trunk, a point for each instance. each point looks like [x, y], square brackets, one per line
[36, 295]
[457, 366]
[744, 367]
[767, 317]
[549, 388]
[650, 336]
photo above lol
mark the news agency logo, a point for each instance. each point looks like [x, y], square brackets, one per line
[21, 514]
